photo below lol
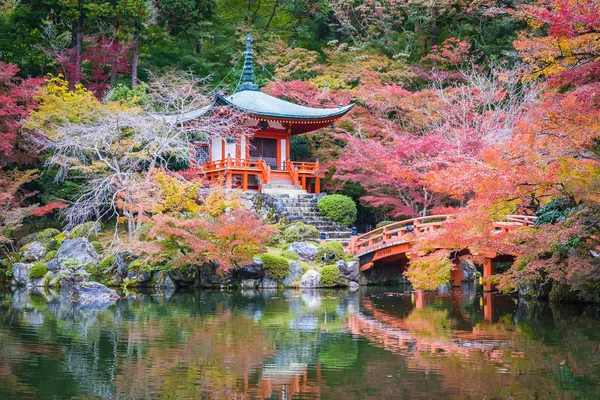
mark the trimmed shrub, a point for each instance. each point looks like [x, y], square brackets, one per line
[338, 208]
[275, 267]
[38, 270]
[384, 223]
[290, 255]
[50, 255]
[330, 276]
[327, 248]
[300, 232]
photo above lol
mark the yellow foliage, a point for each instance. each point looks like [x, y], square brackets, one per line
[177, 195]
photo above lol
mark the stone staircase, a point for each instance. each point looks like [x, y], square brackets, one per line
[303, 208]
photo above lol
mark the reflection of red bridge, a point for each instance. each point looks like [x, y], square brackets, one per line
[415, 334]
[392, 242]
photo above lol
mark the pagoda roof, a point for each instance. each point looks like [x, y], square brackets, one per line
[261, 104]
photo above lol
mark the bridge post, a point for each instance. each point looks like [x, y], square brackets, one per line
[353, 240]
[488, 270]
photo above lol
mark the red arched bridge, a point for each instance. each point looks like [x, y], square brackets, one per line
[392, 242]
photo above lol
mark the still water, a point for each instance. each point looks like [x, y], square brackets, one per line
[370, 344]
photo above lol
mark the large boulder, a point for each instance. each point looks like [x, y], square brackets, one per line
[96, 294]
[268, 283]
[76, 252]
[72, 279]
[20, 274]
[310, 279]
[305, 250]
[141, 278]
[294, 274]
[350, 271]
[122, 261]
[213, 276]
[33, 251]
[251, 271]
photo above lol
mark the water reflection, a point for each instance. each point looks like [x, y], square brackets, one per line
[374, 343]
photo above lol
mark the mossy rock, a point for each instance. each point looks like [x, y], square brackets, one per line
[45, 237]
[88, 230]
[50, 255]
[38, 270]
[329, 248]
[274, 266]
[299, 232]
[98, 246]
[107, 262]
[136, 265]
[330, 276]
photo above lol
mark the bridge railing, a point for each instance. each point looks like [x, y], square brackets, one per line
[401, 231]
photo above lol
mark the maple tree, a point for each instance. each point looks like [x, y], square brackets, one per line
[16, 102]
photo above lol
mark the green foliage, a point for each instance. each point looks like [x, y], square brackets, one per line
[107, 262]
[384, 223]
[136, 265]
[98, 246]
[50, 255]
[290, 255]
[330, 276]
[137, 95]
[38, 270]
[555, 210]
[299, 232]
[275, 267]
[338, 208]
[328, 248]
[300, 148]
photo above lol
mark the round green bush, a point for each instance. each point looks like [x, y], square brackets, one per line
[338, 208]
[38, 270]
[275, 267]
[330, 276]
[290, 255]
[332, 247]
[300, 232]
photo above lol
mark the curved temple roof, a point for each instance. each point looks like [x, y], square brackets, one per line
[261, 104]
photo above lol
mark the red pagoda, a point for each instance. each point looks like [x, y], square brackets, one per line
[262, 163]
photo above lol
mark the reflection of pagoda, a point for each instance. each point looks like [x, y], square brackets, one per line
[263, 162]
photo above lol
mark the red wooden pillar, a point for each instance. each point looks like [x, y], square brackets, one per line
[245, 181]
[317, 185]
[304, 182]
[488, 270]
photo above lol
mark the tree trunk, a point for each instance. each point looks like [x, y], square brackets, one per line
[136, 55]
[198, 46]
[337, 26]
[78, 50]
[275, 5]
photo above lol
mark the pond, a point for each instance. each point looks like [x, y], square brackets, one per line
[375, 343]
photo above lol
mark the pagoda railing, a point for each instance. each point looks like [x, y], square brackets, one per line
[293, 171]
[306, 167]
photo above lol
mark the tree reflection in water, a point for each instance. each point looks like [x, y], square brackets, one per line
[321, 344]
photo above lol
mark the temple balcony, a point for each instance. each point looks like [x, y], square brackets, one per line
[248, 174]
